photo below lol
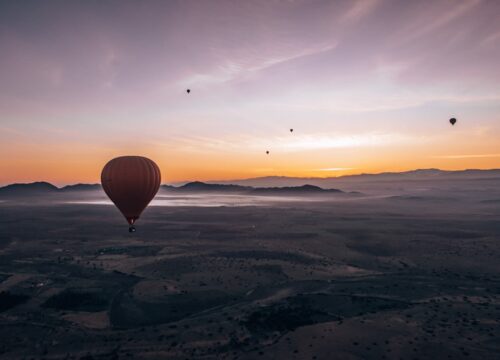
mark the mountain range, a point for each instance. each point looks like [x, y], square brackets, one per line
[267, 185]
[45, 188]
[412, 175]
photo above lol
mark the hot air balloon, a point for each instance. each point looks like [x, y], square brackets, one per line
[267, 152]
[131, 182]
[453, 121]
[188, 91]
[291, 130]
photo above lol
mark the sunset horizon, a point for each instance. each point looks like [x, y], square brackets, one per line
[360, 97]
[340, 174]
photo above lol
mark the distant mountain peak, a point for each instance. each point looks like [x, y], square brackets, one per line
[41, 185]
[326, 182]
[34, 188]
[303, 189]
[201, 186]
[81, 187]
[196, 184]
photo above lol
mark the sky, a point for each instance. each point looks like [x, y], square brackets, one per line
[368, 86]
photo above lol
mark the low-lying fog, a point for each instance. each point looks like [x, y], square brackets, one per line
[215, 200]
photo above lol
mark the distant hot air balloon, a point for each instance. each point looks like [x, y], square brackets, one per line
[291, 130]
[188, 91]
[267, 152]
[131, 182]
[453, 121]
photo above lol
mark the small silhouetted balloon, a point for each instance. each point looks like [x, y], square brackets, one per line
[188, 91]
[267, 152]
[453, 121]
[131, 182]
[291, 130]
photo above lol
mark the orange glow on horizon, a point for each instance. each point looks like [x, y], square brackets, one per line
[102, 88]
[81, 166]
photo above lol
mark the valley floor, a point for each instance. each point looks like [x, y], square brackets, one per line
[381, 278]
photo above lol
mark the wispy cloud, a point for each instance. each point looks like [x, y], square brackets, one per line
[468, 156]
[334, 141]
[397, 98]
[359, 10]
[239, 143]
[461, 9]
[234, 68]
[335, 169]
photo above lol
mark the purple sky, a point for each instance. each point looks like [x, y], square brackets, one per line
[367, 86]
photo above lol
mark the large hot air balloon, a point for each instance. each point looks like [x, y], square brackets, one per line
[131, 182]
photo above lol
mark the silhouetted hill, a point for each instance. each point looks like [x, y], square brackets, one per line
[283, 185]
[201, 187]
[198, 186]
[43, 188]
[413, 175]
[81, 187]
[297, 190]
[425, 174]
[31, 189]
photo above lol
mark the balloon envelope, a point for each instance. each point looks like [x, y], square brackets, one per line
[131, 182]
[453, 121]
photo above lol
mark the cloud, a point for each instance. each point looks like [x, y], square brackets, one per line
[468, 156]
[234, 68]
[310, 142]
[317, 141]
[335, 169]
[359, 10]
[62, 58]
[436, 22]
